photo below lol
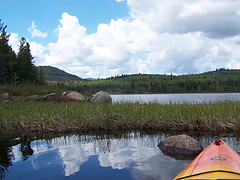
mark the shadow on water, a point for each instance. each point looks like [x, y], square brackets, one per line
[5, 160]
[26, 149]
[132, 155]
[180, 157]
[6, 157]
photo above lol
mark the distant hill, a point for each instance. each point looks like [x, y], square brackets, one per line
[55, 74]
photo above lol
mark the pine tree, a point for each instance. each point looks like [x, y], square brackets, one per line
[26, 70]
[5, 58]
[12, 66]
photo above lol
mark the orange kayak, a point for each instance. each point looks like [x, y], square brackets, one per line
[217, 161]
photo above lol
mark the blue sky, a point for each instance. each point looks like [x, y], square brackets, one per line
[19, 14]
[102, 38]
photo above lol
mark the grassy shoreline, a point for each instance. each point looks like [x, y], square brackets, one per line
[66, 117]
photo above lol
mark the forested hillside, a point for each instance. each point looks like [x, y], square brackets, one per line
[55, 74]
[221, 80]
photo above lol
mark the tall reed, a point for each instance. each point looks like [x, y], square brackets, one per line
[37, 116]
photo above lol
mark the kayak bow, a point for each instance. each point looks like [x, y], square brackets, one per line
[217, 161]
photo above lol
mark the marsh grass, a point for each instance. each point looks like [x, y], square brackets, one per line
[59, 117]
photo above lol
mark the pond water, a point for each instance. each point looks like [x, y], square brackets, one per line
[127, 156]
[177, 98]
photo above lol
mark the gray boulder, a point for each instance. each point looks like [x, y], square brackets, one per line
[181, 147]
[73, 95]
[102, 96]
[4, 96]
[50, 97]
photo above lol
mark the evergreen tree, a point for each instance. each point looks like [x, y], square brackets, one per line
[12, 66]
[5, 58]
[26, 70]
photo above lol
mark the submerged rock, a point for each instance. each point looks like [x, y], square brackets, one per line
[181, 146]
[73, 95]
[102, 96]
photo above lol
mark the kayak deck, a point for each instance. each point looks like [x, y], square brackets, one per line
[217, 161]
[213, 175]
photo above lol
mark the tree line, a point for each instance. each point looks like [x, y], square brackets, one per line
[221, 80]
[17, 68]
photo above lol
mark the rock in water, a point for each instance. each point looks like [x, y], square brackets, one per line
[181, 145]
[73, 95]
[102, 96]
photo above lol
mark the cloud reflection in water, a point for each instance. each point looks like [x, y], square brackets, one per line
[114, 153]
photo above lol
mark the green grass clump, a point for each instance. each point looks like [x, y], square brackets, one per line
[38, 116]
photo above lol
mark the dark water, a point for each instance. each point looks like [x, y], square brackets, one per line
[177, 98]
[127, 156]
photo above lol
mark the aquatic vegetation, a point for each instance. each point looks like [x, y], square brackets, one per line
[36, 116]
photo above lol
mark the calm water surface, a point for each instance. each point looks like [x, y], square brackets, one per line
[127, 156]
[177, 98]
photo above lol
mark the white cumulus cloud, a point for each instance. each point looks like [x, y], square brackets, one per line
[215, 18]
[36, 32]
[108, 52]
[14, 41]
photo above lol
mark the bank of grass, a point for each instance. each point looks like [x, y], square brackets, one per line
[59, 117]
